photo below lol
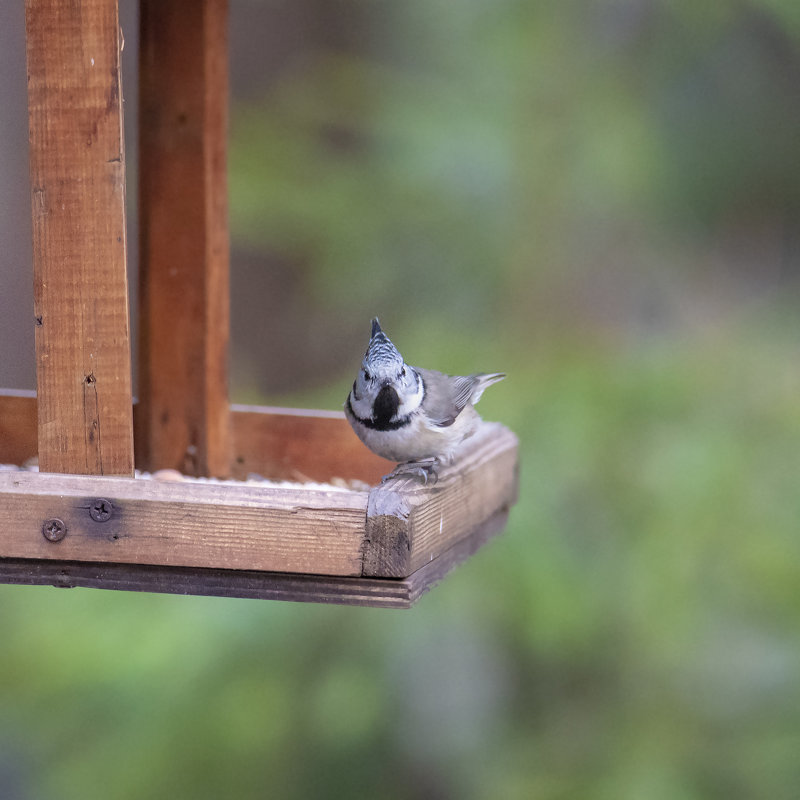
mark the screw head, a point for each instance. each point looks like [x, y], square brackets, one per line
[101, 509]
[54, 530]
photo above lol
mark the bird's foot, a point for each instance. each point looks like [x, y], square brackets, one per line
[425, 468]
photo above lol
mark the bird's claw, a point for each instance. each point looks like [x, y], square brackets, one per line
[424, 469]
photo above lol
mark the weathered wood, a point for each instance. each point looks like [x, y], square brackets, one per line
[308, 445]
[409, 524]
[391, 531]
[183, 222]
[18, 436]
[376, 592]
[191, 524]
[277, 443]
[288, 444]
[77, 164]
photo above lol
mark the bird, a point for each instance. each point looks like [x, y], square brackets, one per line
[413, 416]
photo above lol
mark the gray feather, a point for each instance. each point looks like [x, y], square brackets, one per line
[483, 381]
[447, 396]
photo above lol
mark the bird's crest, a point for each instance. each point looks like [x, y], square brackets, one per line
[381, 352]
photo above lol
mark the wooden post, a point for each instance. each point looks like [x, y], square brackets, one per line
[77, 164]
[184, 284]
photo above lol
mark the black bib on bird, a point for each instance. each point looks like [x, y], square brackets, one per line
[385, 406]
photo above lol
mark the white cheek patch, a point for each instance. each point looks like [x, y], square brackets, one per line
[362, 407]
[411, 402]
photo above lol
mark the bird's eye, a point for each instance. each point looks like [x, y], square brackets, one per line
[403, 372]
[367, 376]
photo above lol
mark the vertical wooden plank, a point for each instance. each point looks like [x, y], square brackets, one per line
[77, 164]
[184, 282]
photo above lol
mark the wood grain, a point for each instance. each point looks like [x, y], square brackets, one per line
[392, 531]
[277, 443]
[77, 165]
[294, 445]
[374, 592]
[226, 526]
[410, 524]
[183, 222]
[288, 444]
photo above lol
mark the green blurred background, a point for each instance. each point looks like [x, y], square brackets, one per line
[601, 199]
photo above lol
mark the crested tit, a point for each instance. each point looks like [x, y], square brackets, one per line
[414, 416]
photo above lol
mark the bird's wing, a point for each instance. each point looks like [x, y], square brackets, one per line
[446, 397]
[439, 402]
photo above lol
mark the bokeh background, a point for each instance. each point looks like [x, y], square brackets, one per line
[601, 199]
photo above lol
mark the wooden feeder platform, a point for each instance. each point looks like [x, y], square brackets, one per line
[335, 535]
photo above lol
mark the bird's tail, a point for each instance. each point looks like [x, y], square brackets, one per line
[484, 380]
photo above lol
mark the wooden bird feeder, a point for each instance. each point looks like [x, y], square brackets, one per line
[84, 519]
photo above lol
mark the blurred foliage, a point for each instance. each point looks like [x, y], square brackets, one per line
[601, 199]
[470, 162]
[635, 633]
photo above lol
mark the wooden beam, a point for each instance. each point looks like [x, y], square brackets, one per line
[303, 445]
[226, 526]
[300, 445]
[375, 592]
[183, 222]
[277, 443]
[410, 524]
[389, 531]
[77, 164]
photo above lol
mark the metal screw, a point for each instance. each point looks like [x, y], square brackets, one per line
[54, 530]
[101, 509]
